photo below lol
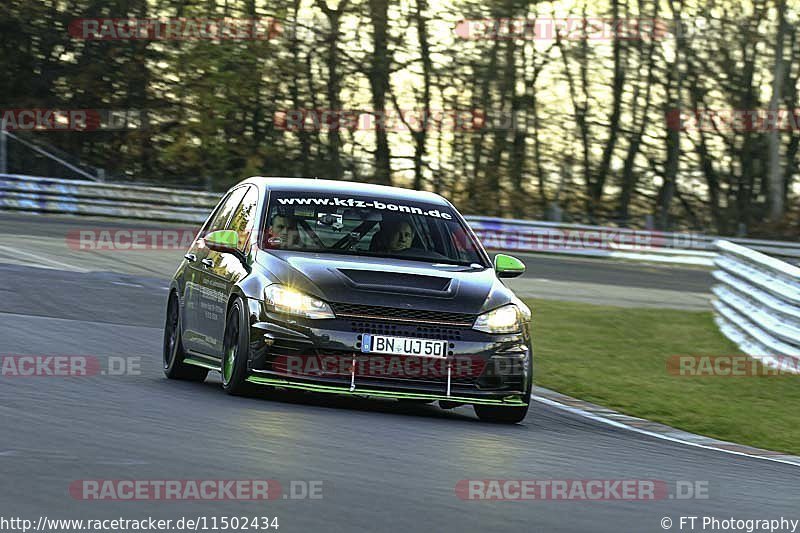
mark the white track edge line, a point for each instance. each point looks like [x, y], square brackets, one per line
[614, 423]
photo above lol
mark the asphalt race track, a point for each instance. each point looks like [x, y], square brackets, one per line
[384, 466]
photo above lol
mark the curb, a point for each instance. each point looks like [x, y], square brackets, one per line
[654, 429]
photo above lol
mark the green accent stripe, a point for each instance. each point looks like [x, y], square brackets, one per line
[334, 389]
[202, 364]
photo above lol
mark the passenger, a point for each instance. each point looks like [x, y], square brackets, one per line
[401, 237]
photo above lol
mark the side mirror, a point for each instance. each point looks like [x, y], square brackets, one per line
[507, 266]
[224, 240]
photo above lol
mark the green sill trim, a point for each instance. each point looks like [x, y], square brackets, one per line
[333, 389]
[202, 364]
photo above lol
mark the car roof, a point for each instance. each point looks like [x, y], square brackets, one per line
[352, 188]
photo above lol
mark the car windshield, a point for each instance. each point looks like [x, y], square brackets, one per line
[368, 226]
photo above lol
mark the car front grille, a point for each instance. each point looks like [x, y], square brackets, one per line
[395, 314]
[406, 330]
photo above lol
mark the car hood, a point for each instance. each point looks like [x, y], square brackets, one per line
[388, 282]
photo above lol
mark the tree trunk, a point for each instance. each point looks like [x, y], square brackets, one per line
[673, 95]
[617, 86]
[421, 136]
[775, 179]
[379, 83]
[294, 91]
[334, 85]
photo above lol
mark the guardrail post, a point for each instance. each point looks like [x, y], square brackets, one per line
[3, 151]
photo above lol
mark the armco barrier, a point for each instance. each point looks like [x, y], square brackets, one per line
[53, 195]
[534, 235]
[595, 241]
[757, 304]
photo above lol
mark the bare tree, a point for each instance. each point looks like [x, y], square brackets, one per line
[334, 85]
[775, 177]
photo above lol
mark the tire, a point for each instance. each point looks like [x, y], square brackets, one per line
[501, 415]
[174, 354]
[235, 351]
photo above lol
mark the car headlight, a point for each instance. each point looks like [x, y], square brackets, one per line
[285, 300]
[506, 319]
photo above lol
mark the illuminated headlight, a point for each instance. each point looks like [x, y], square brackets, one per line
[504, 319]
[285, 300]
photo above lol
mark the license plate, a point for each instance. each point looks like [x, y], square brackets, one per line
[403, 346]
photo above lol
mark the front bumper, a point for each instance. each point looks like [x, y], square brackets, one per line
[509, 400]
[483, 368]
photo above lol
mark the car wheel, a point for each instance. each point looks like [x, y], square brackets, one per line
[500, 414]
[236, 345]
[174, 354]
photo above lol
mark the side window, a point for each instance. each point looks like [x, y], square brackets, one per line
[243, 218]
[424, 227]
[221, 219]
[210, 220]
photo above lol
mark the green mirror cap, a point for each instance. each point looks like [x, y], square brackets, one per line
[227, 238]
[507, 263]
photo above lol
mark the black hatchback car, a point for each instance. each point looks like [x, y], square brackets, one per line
[348, 288]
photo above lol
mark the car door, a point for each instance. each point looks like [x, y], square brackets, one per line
[224, 270]
[202, 302]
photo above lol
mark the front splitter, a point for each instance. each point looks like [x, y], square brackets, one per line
[514, 400]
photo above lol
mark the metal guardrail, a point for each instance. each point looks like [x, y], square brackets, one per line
[580, 239]
[594, 241]
[79, 197]
[757, 304]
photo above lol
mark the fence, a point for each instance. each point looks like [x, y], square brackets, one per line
[757, 304]
[77, 197]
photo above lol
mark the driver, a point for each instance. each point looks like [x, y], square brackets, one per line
[395, 236]
[401, 236]
[284, 227]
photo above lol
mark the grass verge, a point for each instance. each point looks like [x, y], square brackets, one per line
[617, 357]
